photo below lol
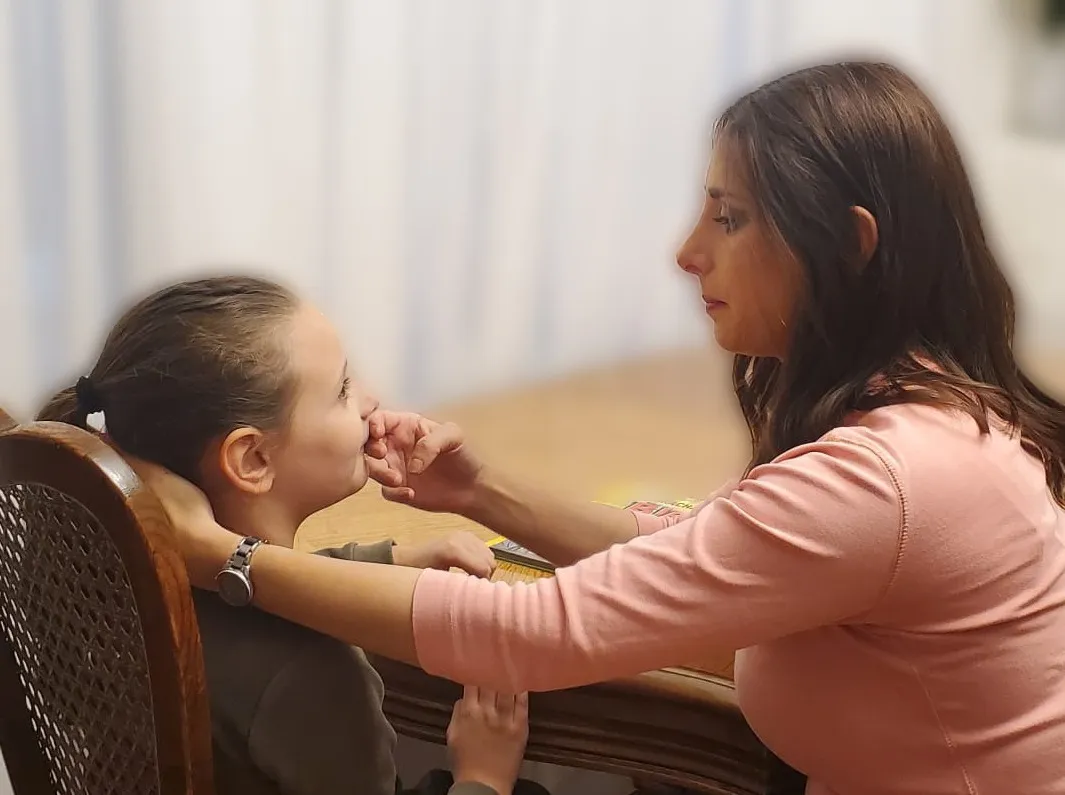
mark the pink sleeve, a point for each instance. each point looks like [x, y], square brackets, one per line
[647, 523]
[808, 540]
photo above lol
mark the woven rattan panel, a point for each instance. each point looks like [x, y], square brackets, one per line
[67, 608]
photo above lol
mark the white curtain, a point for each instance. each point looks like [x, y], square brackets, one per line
[478, 192]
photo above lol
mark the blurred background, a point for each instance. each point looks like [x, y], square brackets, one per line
[478, 192]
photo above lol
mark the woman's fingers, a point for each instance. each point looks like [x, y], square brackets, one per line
[383, 422]
[401, 494]
[380, 471]
[438, 439]
[377, 448]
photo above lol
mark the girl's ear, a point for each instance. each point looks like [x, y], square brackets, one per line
[245, 461]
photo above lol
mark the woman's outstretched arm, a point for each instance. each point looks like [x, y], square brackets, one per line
[426, 464]
[738, 573]
[561, 530]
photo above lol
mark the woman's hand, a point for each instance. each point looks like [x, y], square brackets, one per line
[203, 542]
[421, 463]
[486, 738]
[462, 550]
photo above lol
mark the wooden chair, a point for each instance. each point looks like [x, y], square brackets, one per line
[102, 686]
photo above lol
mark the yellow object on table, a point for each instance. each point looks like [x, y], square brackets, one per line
[515, 563]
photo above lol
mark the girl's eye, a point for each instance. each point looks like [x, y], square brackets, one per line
[345, 389]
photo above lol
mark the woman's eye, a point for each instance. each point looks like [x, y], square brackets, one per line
[727, 222]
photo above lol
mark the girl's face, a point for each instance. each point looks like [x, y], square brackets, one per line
[318, 458]
[748, 280]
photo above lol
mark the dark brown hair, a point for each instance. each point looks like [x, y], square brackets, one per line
[930, 318]
[185, 366]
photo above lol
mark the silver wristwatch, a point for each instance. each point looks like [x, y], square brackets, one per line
[234, 581]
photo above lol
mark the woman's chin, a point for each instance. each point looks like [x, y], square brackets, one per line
[723, 339]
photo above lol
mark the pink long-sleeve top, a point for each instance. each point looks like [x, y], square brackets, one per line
[896, 591]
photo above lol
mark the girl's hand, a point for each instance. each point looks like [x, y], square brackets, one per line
[462, 550]
[487, 736]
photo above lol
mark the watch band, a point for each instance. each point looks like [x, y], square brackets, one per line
[240, 560]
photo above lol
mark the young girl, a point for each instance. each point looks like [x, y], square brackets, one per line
[243, 389]
[891, 566]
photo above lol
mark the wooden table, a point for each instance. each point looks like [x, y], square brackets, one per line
[660, 429]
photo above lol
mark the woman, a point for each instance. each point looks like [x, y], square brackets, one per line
[242, 388]
[891, 566]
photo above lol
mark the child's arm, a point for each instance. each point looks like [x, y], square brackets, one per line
[460, 550]
[486, 740]
[379, 552]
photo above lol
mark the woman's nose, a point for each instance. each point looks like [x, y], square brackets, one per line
[690, 258]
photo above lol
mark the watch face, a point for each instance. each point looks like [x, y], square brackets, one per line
[234, 587]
